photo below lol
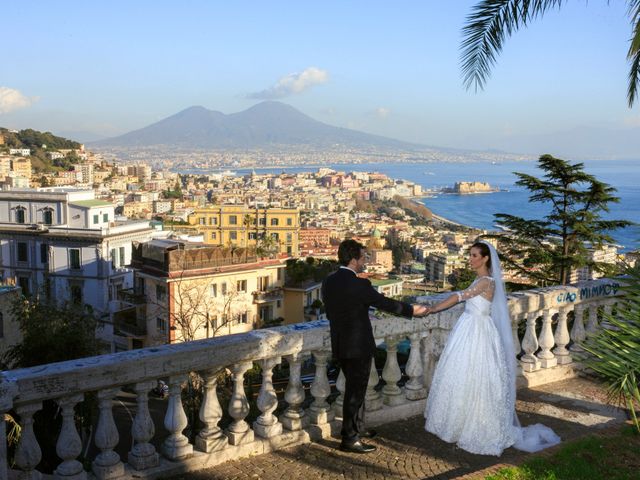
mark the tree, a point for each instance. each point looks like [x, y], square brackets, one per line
[51, 334]
[548, 249]
[461, 278]
[493, 20]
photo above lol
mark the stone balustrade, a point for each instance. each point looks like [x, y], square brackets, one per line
[545, 344]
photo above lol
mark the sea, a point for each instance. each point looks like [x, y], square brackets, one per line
[478, 210]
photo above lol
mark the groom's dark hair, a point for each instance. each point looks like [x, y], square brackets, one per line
[348, 250]
[484, 251]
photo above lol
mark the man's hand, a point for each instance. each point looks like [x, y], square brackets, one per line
[420, 310]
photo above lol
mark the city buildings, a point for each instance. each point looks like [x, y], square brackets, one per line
[188, 291]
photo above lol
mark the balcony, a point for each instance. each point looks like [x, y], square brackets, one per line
[544, 357]
[131, 296]
[129, 321]
[270, 295]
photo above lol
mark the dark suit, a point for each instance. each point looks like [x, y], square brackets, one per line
[347, 299]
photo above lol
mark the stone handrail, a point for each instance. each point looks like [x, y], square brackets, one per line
[542, 359]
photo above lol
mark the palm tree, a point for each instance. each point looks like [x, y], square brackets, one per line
[491, 21]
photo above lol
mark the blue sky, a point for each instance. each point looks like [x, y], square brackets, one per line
[390, 68]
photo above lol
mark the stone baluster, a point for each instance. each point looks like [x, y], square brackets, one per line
[592, 322]
[372, 398]
[176, 445]
[107, 463]
[547, 359]
[339, 402]
[211, 438]
[143, 454]
[414, 389]
[267, 424]
[28, 453]
[8, 391]
[239, 431]
[578, 333]
[562, 339]
[528, 360]
[607, 311]
[514, 331]
[319, 412]
[69, 444]
[294, 417]
[391, 374]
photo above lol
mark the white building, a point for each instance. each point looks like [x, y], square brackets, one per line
[23, 152]
[66, 245]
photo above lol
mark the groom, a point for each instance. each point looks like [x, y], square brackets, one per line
[347, 299]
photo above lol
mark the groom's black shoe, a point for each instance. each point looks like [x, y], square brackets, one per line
[356, 447]
[369, 433]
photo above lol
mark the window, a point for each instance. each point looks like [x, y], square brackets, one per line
[76, 294]
[289, 250]
[47, 216]
[263, 283]
[161, 324]
[23, 252]
[105, 217]
[44, 253]
[74, 258]
[202, 221]
[213, 235]
[161, 292]
[213, 321]
[274, 222]
[241, 286]
[122, 262]
[278, 303]
[279, 273]
[233, 235]
[23, 283]
[114, 258]
[243, 317]
[213, 221]
[233, 219]
[223, 288]
[20, 215]
[263, 221]
[214, 289]
[96, 219]
[275, 236]
[289, 221]
[253, 236]
[289, 237]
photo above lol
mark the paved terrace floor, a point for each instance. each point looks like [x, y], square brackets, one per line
[573, 408]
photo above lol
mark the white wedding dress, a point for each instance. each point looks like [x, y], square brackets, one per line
[472, 396]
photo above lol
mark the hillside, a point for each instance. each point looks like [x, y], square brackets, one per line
[40, 143]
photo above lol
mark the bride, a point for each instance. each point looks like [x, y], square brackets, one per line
[472, 396]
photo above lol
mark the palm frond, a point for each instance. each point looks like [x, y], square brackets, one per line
[634, 54]
[490, 22]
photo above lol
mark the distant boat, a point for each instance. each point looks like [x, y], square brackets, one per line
[228, 173]
[429, 173]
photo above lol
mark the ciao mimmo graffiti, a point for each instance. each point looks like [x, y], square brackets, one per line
[592, 291]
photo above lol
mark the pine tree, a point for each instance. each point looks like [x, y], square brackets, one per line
[548, 249]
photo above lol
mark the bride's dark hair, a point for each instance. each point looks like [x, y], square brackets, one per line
[484, 251]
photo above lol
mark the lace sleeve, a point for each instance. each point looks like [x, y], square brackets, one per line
[482, 286]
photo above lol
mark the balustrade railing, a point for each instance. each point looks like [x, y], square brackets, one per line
[549, 326]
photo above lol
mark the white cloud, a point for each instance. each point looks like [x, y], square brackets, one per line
[11, 99]
[292, 84]
[382, 112]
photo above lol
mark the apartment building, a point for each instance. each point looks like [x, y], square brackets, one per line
[242, 226]
[189, 291]
[67, 246]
